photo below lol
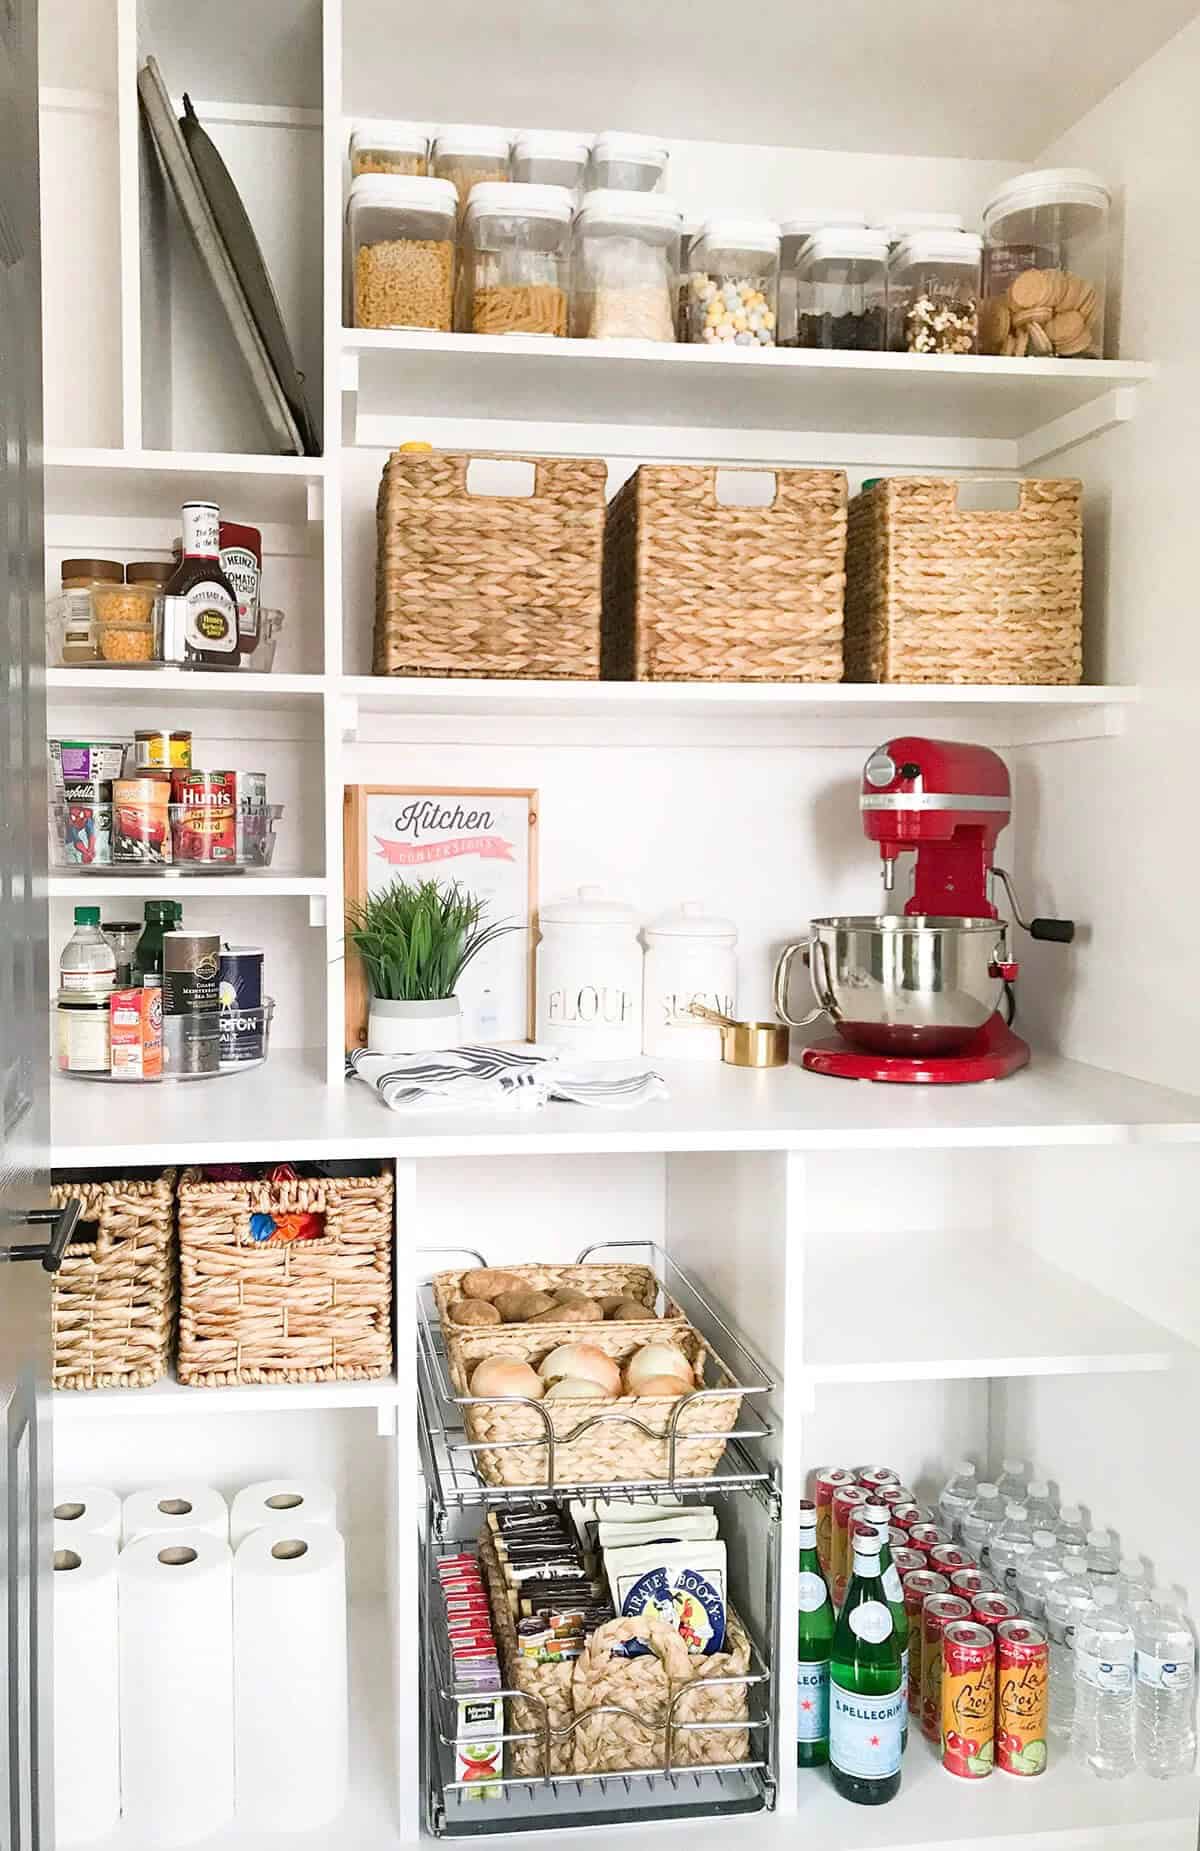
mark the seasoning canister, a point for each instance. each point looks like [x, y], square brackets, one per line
[141, 827]
[82, 1032]
[240, 976]
[690, 958]
[86, 828]
[191, 972]
[589, 987]
[191, 1044]
[204, 815]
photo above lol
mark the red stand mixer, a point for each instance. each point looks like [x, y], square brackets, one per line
[916, 996]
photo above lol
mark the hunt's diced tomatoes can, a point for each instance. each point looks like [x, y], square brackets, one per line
[204, 815]
[1023, 1679]
[968, 1700]
[937, 1612]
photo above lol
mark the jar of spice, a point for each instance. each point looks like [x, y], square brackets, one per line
[402, 233]
[1045, 266]
[467, 156]
[70, 624]
[841, 291]
[389, 148]
[626, 267]
[794, 234]
[549, 157]
[589, 985]
[690, 958]
[933, 293]
[734, 267]
[514, 272]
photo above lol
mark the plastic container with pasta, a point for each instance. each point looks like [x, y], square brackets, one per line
[515, 260]
[469, 156]
[389, 148]
[551, 157]
[625, 278]
[402, 237]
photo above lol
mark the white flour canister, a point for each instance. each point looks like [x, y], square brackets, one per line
[589, 985]
[690, 958]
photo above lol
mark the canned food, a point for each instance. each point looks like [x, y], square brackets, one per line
[82, 1031]
[847, 1499]
[86, 761]
[1023, 1682]
[937, 1612]
[907, 1561]
[968, 1700]
[948, 1558]
[971, 1581]
[191, 971]
[918, 1585]
[204, 815]
[85, 832]
[825, 1483]
[993, 1609]
[252, 789]
[905, 1515]
[926, 1537]
[875, 1475]
[897, 1538]
[141, 832]
[894, 1495]
[154, 750]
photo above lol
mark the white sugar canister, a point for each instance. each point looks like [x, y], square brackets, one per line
[589, 984]
[690, 958]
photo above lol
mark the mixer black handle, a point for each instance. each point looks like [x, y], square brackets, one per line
[1058, 931]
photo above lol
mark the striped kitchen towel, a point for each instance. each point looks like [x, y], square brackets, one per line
[508, 1079]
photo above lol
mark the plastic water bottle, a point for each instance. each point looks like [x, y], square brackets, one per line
[1041, 1504]
[1064, 1602]
[1046, 1542]
[1166, 1690]
[1075, 1562]
[984, 1517]
[1133, 1584]
[1102, 1735]
[1070, 1528]
[1103, 1553]
[1036, 1575]
[958, 1494]
[1011, 1544]
[1013, 1480]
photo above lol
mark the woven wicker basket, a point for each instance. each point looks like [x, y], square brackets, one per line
[597, 1278]
[483, 585]
[698, 591]
[946, 594]
[614, 1449]
[272, 1311]
[114, 1300]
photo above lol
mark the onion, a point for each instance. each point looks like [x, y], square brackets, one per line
[497, 1375]
[667, 1387]
[575, 1388]
[582, 1361]
[658, 1359]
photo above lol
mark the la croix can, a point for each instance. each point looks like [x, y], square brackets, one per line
[918, 1584]
[892, 1495]
[971, 1581]
[204, 818]
[993, 1610]
[847, 1499]
[1022, 1689]
[873, 1476]
[949, 1558]
[906, 1514]
[907, 1561]
[825, 1483]
[926, 1537]
[968, 1700]
[937, 1612]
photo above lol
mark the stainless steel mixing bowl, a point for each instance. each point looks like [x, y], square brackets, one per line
[895, 985]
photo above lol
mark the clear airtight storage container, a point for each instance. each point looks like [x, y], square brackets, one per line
[625, 267]
[841, 290]
[897, 226]
[933, 293]
[630, 163]
[1045, 263]
[469, 156]
[389, 148]
[547, 157]
[794, 234]
[402, 240]
[734, 275]
[514, 264]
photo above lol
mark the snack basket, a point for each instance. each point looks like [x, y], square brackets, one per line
[597, 1278]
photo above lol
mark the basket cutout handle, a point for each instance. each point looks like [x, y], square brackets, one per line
[501, 478]
[745, 488]
[1019, 497]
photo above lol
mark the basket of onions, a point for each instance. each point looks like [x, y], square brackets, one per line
[620, 1408]
[593, 1292]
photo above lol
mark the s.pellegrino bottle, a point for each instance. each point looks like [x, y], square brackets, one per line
[878, 1518]
[814, 1643]
[867, 1695]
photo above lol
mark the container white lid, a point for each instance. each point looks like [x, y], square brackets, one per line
[814, 218]
[1049, 186]
[939, 247]
[847, 241]
[402, 137]
[550, 145]
[411, 190]
[902, 224]
[589, 907]
[463, 139]
[519, 199]
[617, 207]
[691, 921]
[740, 234]
[642, 150]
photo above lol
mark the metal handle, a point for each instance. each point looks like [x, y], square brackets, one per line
[783, 971]
[62, 1222]
[1057, 931]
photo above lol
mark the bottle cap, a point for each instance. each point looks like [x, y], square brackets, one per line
[1100, 1539]
[1038, 1488]
[1016, 1512]
[1133, 1568]
[986, 1489]
[965, 1467]
[1075, 1563]
[87, 915]
[1016, 1467]
[1071, 1513]
[1106, 1596]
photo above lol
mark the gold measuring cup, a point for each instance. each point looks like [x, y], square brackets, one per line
[747, 1044]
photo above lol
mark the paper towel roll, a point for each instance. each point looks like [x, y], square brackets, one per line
[285, 1501]
[88, 1510]
[176, 1630]
[183, 1504]
[87, 1750]
[289, 1624]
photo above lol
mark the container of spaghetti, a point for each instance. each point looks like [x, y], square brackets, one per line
[515, 265]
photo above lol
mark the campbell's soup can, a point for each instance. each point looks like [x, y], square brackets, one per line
[907, 1561]
[937, 1612]
[872, 1476]
[927, 1537]
[993, 1609]
[949, 1557]
[1022, 1690]
[825, 1483]
[968, 1700]
[847, 1500]
[971, 1581]
[918, 1584]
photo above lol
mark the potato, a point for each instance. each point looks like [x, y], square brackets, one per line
[473, 1311]
[519, 1307]
[629, 1311]
[587, 1312]
[609, 1303]
[570, 1295]
[489, 1282]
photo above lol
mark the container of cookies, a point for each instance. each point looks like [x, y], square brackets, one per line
[1046, 249]
[402, 235]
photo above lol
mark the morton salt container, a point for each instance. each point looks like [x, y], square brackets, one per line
[589, 984]
[690, 958]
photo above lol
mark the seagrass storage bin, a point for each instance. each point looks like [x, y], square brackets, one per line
[595, 1278]
[940, 593]
[695, 590]
[276, 1310]
[489, 585]
[114, 1300]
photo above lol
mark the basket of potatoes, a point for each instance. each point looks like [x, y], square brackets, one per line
[594, 1292]
[611, 1396]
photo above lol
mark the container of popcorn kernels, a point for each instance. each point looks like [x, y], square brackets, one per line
[402, 232]
[733, 283]
[933, 293]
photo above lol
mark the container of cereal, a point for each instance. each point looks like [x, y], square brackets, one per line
[514, 266]
[625, 267]
[126, 617]
[70, 624]
[734, 274]
[628, 163]
[141, 826]
[402, 234]
[465, 156]
[794, 234]
[1046, 249]
[551, 157]
[841, 291]
[389, 148]
[933, 293]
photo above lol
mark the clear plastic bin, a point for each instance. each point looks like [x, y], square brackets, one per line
[734, 276]
[262, 658]
[897, 226]
[128, 620]
[402, 234]
[628, 163]
[71, 640]
[548, 157]
[469, 157]
[625, 267]
[794, 234]
[1046, 254]
[514, 268]
[933, 293]
[389, 148]
[841, 291]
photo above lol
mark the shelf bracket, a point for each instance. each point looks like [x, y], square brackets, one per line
[314, 511]
[318, 910]
[348, 717]
[387, 1419]
[1099, 414]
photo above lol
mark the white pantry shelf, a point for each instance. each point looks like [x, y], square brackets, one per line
[142, 484]
[171, 1400]
[641, 399]
[150, 687]
[128, 882]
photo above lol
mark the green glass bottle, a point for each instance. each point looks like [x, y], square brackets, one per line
[877, 1517]
[161, 916]
[867, 1694]
[814, 1643]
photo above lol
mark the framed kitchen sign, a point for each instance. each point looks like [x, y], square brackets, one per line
[487, 842]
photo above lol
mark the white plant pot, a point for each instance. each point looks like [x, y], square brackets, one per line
[413, 1028]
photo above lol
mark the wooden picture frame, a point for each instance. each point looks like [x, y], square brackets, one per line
[471, 820]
